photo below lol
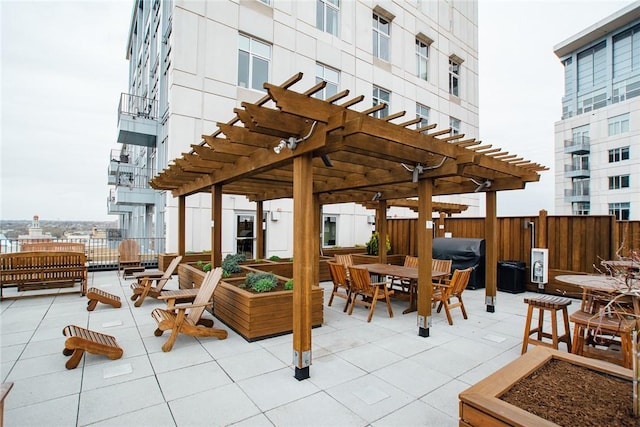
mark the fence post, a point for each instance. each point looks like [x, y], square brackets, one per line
[542, 229]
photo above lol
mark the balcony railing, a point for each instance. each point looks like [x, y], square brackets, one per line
[576, 171]
[577, 145]
[573, 195]
[127, 175]
[102, 253]
[137, 106]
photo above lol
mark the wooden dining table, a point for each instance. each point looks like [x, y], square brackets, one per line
[591, 283]
[402, 272]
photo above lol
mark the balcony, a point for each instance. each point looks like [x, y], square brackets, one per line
[576, 171]
[131, 185]
[137, 120]
[575, 195]
[113, 208]
[578, 145]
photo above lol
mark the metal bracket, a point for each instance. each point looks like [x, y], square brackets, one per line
[490, 300]
[424, 321]
[306, 359]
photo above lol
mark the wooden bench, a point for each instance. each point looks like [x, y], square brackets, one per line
[96, 295]
[81, 340]
[43, 270]
[598, 338]
[52, 247]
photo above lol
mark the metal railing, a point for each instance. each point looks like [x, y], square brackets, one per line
[102, 253]
[137, 106]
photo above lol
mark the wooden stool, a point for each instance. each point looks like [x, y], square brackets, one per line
[81, 340]
[547, 303]
[604, 333]
[96, 295]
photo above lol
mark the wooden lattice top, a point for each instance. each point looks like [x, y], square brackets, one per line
[355, 155]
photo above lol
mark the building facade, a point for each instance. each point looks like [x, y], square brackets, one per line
[192, 63]
[597, 151]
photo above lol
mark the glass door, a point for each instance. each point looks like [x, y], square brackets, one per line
[245, 234]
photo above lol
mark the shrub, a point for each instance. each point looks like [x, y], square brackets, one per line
[372, 244]
[231, 263]
[274, 258]
[289, 285]
[261, 282]
[206, 267]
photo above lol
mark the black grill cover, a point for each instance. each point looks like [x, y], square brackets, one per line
[463, 253]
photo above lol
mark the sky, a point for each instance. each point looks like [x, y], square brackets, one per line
[63, 66]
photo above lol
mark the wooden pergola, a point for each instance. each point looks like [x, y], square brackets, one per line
[292, 145]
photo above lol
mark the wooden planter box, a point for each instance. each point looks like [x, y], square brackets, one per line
[258, 316]
[165, 259]
[285, 268]
[480, 404]
[330, 252]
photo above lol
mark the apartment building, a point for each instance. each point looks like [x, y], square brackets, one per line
[192, 63]
[597, 152]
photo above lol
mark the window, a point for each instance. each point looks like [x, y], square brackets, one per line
[618, 181]
[267, 2]
[422, 112]
[620, 210]
[253, 63]
[581, 208]
[327, 16]
[329, 230]
[618, 154]
[331, 76]
[454, 77]
[580, 187]
[626, 52]
[381, 37]
[381, 96]
[422, 60]
[454, 124]
[592, 67]
[618, 124]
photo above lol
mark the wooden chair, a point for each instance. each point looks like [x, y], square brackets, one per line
[443, 292]
[346, 260]
[404, 285]
[442, 265]
[179, 321]
[341, 287]
[370, 292]
[129, 256]
[150, 285]
[4, 391]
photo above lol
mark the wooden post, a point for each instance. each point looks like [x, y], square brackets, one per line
[305, 245]
[491, 251]
[425, 255]
[542, 240]
[317, 227]
[216, 225]
[383, 230]
[182, 217]
[259, 230]
[441, 228]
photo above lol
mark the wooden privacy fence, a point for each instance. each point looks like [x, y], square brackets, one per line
[575, 243]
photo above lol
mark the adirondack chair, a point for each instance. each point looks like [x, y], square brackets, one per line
[129, 256]
[150, 285]
[179, 321]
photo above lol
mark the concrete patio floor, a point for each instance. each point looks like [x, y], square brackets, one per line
[362, 374]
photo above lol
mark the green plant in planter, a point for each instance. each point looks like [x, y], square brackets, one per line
[206, 267]
[261, 282]
[372, 244]
[231, 264]
[289, 285]
[274, 258]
